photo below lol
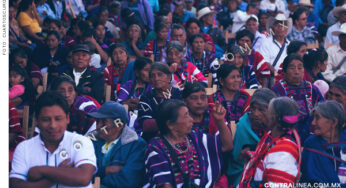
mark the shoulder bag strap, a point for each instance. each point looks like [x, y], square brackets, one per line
[279, 54]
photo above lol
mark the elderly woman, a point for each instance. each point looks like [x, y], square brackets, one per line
[205, 61]
[239, 59]
[250, 129]
[234, 100]
[303, 92]
[79, 105]
[181, 157]
[337, 90]
[183, 71]
[323, 158]
[134, 41]
[277, 156]
[160, 77]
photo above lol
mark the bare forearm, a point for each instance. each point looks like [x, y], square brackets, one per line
[17, 183]
[225, 135]
[68, 176]
[102, 53]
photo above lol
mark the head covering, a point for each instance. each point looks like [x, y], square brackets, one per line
[204, 11]
[80, 47]
[342, 30]
[305, 3]
[252, 16]
[338, 10]
[279, 17]
[113, 110]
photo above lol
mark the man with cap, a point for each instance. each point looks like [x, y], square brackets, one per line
[252, 25]
[119, 150]
[340, 14]
[337, 56]
[89, 82]
[274, 48]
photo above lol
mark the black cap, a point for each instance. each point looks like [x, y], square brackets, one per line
[80, 47]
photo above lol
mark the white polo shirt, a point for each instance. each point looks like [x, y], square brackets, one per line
[270, 48]
[32, 152]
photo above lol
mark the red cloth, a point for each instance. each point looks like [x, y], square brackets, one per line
[14, 127]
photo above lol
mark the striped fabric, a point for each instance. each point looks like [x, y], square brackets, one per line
[159, 166]
[193, 74]
[256, 60]
[249, 80]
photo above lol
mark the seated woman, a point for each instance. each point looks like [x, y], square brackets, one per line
[132, 90]
[303, 92]
[80, 105]
[315, 62]
[337, 90]
[193, 26]
[156, 49]
[30, 21]
[101, 40]
[74, 34]
[160, 78]
[205, 61]
[114, 73]
[134, 41]
[254, 59]
[277, 157]
[250, 129]
[179, 157]
[239, 59]
[323, 158]
[21, 58]
[235, 100]
[182, 71]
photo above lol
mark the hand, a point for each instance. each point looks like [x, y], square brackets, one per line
[132, 103]
[64, 164]
[243, 155]
[113, 169]
[173, 67]
[271, 68]
[218, 112]
[35, 173]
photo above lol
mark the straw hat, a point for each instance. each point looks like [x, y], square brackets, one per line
[279, 17]
[341, 31]
[305, 3]
[338, 10]
[204, 11]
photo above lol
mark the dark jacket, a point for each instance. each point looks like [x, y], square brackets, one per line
[128, 152]
[96, 83]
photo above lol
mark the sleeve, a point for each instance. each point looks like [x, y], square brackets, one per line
[281, 163]
[134, 167]
[261, 67]
[98, 88]
[129, 73]
[247, 102]
[157, 167]
[196, 74]
[144, 109]
[149, 14]
[265, 51]
[85, 104]
[328, 73]
[86, 155]
[124, 92]
[23, 20]
[251, 81]
[16, 91]
[149, 49]
[20, 168]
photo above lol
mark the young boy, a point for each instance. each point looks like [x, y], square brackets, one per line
[55, 157]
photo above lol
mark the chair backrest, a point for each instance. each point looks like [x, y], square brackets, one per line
[25, 118]
[108, 92]
[97, 182]
[212, 90]
[44, 81]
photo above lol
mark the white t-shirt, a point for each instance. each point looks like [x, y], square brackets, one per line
[32, 152]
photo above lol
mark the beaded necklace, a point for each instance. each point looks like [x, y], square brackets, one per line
[306, 92]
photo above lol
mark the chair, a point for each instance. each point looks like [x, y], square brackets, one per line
[108, 92]
[212, 90]
[97, 182]
[25, 118]
[228, 36]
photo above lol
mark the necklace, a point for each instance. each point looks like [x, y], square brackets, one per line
[179, 148]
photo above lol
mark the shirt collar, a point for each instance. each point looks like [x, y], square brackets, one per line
[78, 73]
[108, 146]
[57, 149]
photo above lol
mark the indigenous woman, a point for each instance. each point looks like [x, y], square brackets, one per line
[205, 61]
[250, 129]
[80, 106]
[315, 62]
[303, 92]
[160, 77]
[156, 49]
[179, 157]
[239, 59]
[182, 71]
[235, 100]
[324, 155]
[277, 157]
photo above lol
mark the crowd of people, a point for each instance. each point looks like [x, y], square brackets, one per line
[177, 93]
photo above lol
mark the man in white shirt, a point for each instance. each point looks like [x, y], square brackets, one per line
[273, 6]
[274, 48]
[55, 157]
[337, 56]
[252, 25]
[240, 17]
[340, 13]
